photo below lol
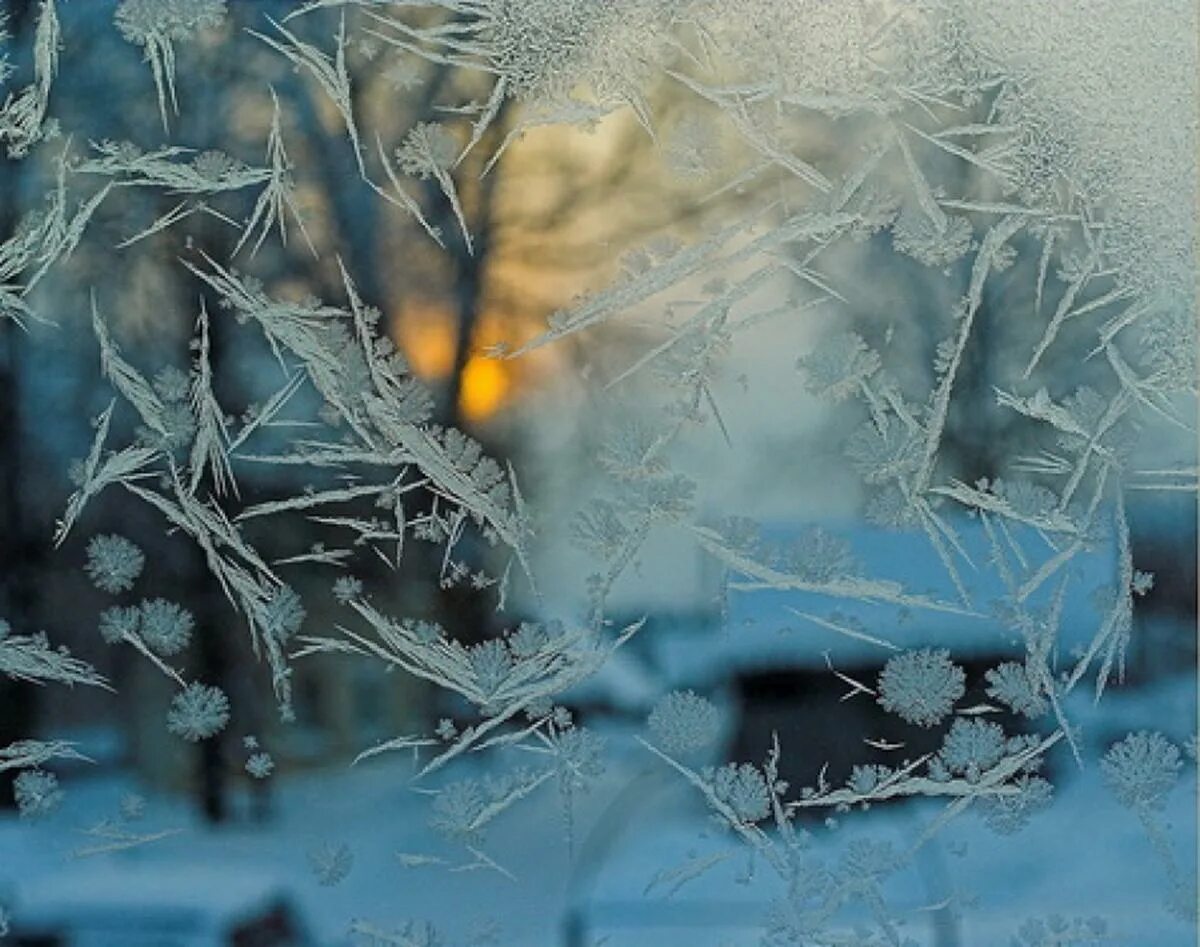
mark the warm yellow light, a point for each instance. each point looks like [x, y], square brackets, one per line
[428, 337]
[485, 384]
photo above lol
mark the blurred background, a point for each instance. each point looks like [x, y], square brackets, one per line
[565, 211]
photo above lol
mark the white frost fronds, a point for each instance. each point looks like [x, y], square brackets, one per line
[112, 837]
[156, 25]
[329, 72]
[430, 151]
[99, 471]
[761, 575]
[33, 658]
[210, 444]
[174, 169]
[23, 118]
[37, 793]
[278, 198]
[129, 382]
[31, 754]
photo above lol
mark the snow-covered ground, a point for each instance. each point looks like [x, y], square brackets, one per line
[1084, 857]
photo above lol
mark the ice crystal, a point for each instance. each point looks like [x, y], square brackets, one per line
[119, 623]
[113, 563]
[198, 712]
[1008, 814]
[428, 150]
[933, 242]
[283, 614]
[141, 20]
[1059, 931]
[165, 627]
[683, 722]
[132, 807]
[980, 211]
[331, 863]
[156, 25]
[882, 454]
[347, 588]
[457, 810]
[260, 765]
[1141, 769]
[972, 746]
[865, 779]
[743, 788]
[921, 686]
[840, 367]
[693, 148]
[1012, 684]
[36, 792]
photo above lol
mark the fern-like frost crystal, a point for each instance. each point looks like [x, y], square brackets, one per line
[331, 863]
[260, 765]
[198, 712]
[118, 623]
[113, 563]
[1012, 684]
[971, 747]
[743, 788]
[921, 686]
[1141, 769]
[37, 793]
[165, 626]
[684, 722]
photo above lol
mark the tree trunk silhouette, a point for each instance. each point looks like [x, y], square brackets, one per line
[18, 699]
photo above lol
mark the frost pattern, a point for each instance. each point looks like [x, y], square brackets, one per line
[37, 793]
[114, 563]
[198, 712]
[156, 25]
[683, 722]
[1141, 769]
[331, 863]
[921, 686]
[987, 152]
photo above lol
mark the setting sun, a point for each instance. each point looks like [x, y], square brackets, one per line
[485, 383]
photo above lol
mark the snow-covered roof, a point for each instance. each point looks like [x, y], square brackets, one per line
[777, 628]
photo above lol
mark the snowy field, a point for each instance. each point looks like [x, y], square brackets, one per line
[970, 885]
